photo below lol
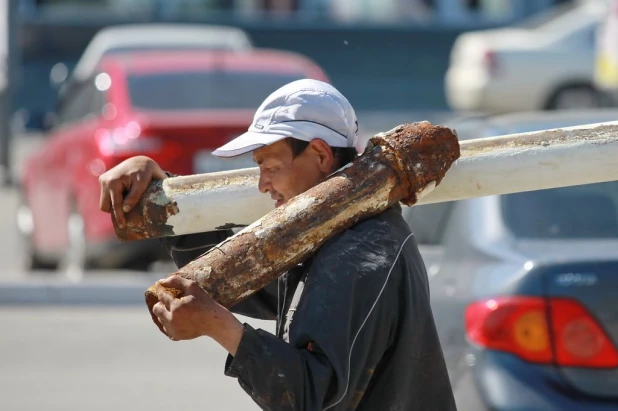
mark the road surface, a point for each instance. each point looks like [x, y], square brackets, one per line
[108, 359]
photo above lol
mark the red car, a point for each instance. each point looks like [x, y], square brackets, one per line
[175, 107]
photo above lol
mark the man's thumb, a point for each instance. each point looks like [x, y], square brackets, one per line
[175, 281]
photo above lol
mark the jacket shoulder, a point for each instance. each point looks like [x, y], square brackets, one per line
[377, 239]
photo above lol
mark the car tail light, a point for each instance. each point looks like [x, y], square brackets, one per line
[513, 324]
[124, 142]
[579, 340]
[118, 142]
[539, 330]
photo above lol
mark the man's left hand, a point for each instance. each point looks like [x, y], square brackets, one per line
[195, 314]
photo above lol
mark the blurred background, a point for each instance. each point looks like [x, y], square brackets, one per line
[85, 84]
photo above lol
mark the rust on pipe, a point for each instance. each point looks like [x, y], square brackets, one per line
[400, 165]
[150, 218]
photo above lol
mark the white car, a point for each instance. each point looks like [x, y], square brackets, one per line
[540, 65]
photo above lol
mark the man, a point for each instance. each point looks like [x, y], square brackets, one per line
[354, 325]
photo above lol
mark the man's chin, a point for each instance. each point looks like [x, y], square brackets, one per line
[279, 203]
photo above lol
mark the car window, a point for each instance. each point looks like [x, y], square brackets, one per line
[195, 90]
[583, 38]
[586, 211]
[76, 105]
[428, 221]
[546, 16]
[572, 20]
[99, 100]
[81, 101]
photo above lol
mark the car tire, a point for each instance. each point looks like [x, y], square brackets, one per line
[575, 97]
[32, 261]
[74, 262]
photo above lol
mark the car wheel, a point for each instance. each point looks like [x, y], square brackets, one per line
[575, 97]
[25, 226]
[73, 262]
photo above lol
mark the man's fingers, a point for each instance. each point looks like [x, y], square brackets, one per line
[165, 297]
[161, 312]
[138, 186]
[163, 315]
[116, 196]
[165, 319]
[105, 202]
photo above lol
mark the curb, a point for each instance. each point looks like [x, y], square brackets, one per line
[115, 291]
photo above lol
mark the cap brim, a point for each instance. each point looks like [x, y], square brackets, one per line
[246, 143]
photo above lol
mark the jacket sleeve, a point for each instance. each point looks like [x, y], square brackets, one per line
[186, 248]
[341, 329]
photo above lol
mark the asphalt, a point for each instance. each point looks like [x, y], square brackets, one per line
[86, 358]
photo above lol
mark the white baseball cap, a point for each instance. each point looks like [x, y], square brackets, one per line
[303, 109]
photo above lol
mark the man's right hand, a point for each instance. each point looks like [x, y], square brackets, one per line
[123, 185]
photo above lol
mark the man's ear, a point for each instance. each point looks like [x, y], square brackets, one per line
[324, 155]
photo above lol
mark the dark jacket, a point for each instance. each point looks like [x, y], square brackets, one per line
[355, 329]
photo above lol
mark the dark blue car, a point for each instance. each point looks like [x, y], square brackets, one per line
[525, 288]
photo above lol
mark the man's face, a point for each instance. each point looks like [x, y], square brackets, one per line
[284, 176]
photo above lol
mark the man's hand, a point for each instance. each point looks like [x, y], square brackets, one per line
[195, 314]
[123, 185]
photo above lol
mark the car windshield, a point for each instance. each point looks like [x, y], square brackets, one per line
[586, 211]
[201, 90]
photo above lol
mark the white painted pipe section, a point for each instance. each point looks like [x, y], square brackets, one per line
[489, 166]
[219, 200]
[531, 161]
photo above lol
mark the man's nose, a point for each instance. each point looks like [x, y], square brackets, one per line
[263, 184]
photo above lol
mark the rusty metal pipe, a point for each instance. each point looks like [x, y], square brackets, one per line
[401, 165]
[196, 204]
[490, 166]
